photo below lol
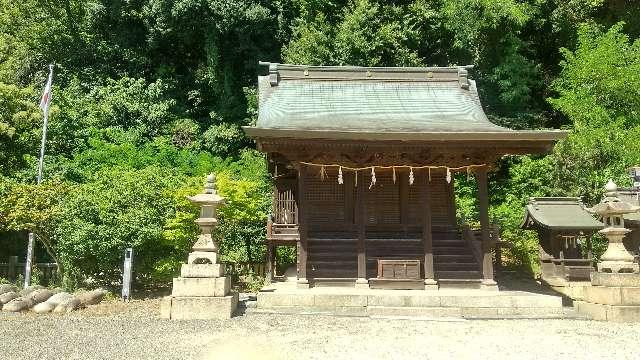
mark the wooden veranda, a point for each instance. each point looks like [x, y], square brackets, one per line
[363, 161]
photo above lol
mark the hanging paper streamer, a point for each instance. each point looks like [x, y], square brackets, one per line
[394, 174]
[448, 175]
[323, 173]
[356, 179]
[411, 178]
[429, 174]
[468, 173]
[340, 180]
[373, 178]
[275, 171]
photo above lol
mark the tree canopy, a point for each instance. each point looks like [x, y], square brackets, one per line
[150, 95]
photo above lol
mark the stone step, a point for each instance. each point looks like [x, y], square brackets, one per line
[413, 303]
[460, 283]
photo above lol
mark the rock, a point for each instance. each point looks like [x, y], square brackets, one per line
[40, 295]
[67, 306]
[58, 298]
[52, 303]
[43, 308]
[18, 304]
[91, 297]
[6, 297]
[28, 290]
[5, 288]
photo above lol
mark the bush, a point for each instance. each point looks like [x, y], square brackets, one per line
[119, 209]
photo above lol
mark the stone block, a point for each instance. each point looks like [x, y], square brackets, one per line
[387, 300]
[202, 270]
[270, 300]
[188, 308]
[623, 313]
[476, 312]
[379, 311]
[530, 311]
[475, 301]
[198, 256]
[201, 286]
[614, 279]
[165, 307]
[335, 300]
[536, 301]
[362, 284]
[302, 283]
[423, 301]
[603, 295]
[595, 311]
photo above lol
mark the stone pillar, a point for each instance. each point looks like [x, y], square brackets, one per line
[202, 291]
[483, 208]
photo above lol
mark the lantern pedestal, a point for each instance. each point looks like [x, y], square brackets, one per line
[202, 291]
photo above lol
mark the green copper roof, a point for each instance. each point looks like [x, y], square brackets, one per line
[630, 196]
[376, 103]
[562, 213]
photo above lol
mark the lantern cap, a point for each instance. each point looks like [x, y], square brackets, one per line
[210, 195]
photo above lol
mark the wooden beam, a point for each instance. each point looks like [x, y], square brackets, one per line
[302, 229]
[483, 208]
[427, 237]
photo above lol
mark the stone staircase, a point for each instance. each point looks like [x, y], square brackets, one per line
[285, 298]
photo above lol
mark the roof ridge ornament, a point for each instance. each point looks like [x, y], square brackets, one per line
[274, 76]
[463, 78]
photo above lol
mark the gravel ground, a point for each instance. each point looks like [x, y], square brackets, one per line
[134, 331]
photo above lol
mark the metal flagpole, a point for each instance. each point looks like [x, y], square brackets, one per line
[45, 109]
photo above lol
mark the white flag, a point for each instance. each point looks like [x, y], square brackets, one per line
[46, 94]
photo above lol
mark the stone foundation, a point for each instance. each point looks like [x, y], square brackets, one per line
[197, 307]
[612, 297]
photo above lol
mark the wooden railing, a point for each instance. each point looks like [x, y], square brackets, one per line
[244, 268]
[12, 269]
[471, 238]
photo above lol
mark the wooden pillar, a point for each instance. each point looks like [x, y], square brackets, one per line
[483, 208]
[361, 218]
[427, 237]
[302, 229]
[269, 271]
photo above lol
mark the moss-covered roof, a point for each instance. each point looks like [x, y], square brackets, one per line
[376, 103]
[559, 213]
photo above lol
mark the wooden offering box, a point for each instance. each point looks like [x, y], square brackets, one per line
[399, 269]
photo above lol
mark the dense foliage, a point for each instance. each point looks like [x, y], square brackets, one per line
[150, 95]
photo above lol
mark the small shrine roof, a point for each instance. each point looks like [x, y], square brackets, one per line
[559, 213]
[377, 103]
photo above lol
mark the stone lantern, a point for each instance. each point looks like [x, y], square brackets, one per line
[202, 291]
[205, 249]
[611, 209]
[614, 294]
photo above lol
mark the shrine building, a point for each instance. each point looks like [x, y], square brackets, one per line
[363, 162]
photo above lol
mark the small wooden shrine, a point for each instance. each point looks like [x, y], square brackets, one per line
[363, 162]
[564, 228]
